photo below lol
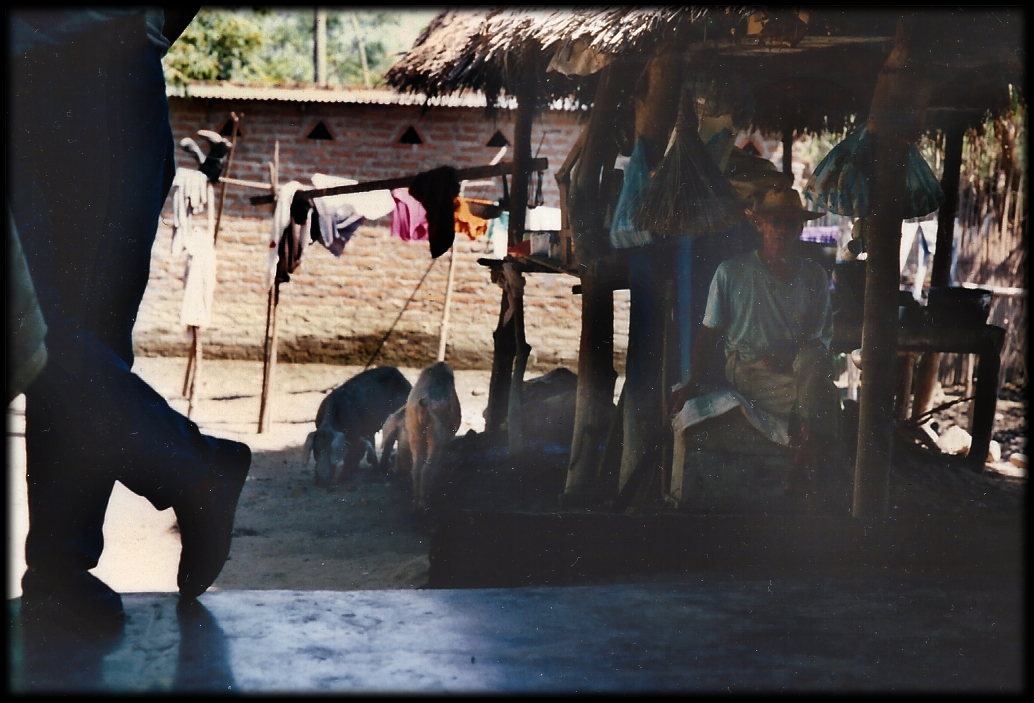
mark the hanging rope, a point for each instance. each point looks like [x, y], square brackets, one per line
[399, 317]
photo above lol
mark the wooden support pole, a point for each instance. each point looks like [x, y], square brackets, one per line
[940, 269]
[269, 367]
[225, 181]
[190, 380]
[898, 109]
[273, 301]
[596, 375]
[194, 382]
[788, 152]
[444, 335]
[527, 100]
[190, 365]
[514, 422]
[503, 352]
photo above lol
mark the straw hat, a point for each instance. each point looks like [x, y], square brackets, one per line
[783, 201]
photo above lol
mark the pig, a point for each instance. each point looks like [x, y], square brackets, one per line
[394, 430]
[349, 418]
[432, 418]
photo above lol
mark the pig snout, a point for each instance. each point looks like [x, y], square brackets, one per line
[330, 449]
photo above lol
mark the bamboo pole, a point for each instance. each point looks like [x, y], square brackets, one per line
[269, 360]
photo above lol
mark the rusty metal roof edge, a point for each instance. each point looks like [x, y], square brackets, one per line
[372, 96]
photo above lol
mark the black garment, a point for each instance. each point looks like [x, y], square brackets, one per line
[437, 190]
[92, 161]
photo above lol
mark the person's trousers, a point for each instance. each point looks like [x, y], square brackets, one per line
[808, 392]
[91, 163]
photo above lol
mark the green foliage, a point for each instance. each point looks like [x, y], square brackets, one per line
[274, 46]
[218, 45]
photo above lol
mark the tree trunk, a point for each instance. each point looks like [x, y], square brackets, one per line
[650, 270]
[596, 376]
[596, 373]
[898, 110]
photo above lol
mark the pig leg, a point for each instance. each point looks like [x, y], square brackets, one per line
[416, 427]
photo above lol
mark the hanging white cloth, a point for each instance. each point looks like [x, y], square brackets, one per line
[189, 197]
[371, 205]
[200, 275]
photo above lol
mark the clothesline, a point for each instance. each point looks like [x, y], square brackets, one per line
[464, 174]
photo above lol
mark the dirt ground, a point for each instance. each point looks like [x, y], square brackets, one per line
[291, 534]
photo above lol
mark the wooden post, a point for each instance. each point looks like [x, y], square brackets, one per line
[514, 433]
[225, 183]
[273, 301]
[448, 300]
[596, 375]
[650, 270]
[527, 100]
[595, 390]
[265, 360]
[194, 382]
[190, 380]
[788, 152]
[898, 110]
[503, 353]
[190, 363]
[940, 269]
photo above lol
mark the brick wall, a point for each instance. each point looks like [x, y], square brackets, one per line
[338, 310]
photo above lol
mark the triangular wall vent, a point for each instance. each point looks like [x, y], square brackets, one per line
[320, 131]
[410, 136]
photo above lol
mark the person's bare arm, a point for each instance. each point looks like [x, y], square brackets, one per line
[705, 339]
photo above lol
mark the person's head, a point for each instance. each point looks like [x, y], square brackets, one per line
[780, 216]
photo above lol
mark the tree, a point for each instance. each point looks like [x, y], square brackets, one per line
[218, 45]
[275, 46]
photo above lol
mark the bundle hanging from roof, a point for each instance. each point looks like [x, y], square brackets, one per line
[842, 181]
[688, 195]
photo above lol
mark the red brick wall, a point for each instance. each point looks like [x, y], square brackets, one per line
[338, 310]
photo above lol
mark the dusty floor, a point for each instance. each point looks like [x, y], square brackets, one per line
[291, 534]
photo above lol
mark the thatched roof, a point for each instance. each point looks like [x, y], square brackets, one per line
[804, 76]
[486, 49]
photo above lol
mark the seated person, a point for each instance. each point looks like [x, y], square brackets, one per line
[772, 307]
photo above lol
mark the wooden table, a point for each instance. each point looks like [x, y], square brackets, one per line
[986, 341]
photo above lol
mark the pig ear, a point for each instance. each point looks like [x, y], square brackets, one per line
[307, 451]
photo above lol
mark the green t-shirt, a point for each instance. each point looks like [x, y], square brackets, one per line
[758, 314]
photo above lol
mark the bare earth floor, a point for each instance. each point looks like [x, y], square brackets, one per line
[360, 535]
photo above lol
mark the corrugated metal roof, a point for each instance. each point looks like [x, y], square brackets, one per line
[328, 95]
[373, 96]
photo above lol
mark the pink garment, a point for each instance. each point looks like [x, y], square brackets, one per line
[409, 219]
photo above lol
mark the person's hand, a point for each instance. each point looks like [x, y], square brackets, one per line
[679, 396]
[780, 358]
